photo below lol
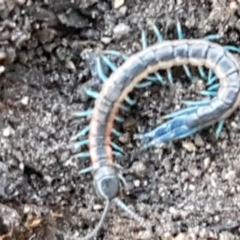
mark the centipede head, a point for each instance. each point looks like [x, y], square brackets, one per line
[106, 182]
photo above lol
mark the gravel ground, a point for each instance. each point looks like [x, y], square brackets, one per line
[188, 189]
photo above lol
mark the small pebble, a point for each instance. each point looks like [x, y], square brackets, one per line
[21, 2]
[123, 10]
[106, 40]
[199, 141]
[97, 207]
[2, 69]
[118, 3]
[136, 183]
[24, 101]
[181, 236]
[70, 65]
[120, 30]
[2, 55]
[189, 146]
[124, 139]
[8, 131]
[139, 168]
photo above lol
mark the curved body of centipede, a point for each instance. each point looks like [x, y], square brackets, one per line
[164, 55]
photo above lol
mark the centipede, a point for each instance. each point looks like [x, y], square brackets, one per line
[141, 70]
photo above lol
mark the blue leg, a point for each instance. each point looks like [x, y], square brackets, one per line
[116, 147]
[109, 63]
[233, 49]
[157, 77]
[202, 73]
[212, 37]
[81, 155]
[157, 33]
[181, 36]
[85, 170]
[214, 87]
[119, 119]
[180, 112]
[81, 143]
[169, 76]
[211, 80]
[196, 103]
[85, 113]
[219, 128]
[208, 93]
[116, 133]
[91, 93]
[83, 132]
[124, 108]
[174, 129]
[144, 84]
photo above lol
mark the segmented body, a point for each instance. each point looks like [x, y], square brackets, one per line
[164, 55]
[200, 114]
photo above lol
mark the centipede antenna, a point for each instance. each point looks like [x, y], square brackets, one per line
[132, 214]
[100, 223]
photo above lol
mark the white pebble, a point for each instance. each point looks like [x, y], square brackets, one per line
[25, 100]
[8, 131]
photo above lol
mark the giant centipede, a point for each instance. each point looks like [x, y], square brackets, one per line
[163, 55]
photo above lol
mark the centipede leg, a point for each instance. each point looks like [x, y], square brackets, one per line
[85, 113]
[83, 132]
[81, 143]
[172, 130]
[116, 147]
[157, 77]
[91, 93]
[196, 103]
[211, 80]
[180, 112]
[214, 87]
[212, 37]
[82, 155]
[232, 49]
[219, 128]
[209, 93]
[202, 72]
[181, 36]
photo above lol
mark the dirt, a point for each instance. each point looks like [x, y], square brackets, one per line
[188, 189]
